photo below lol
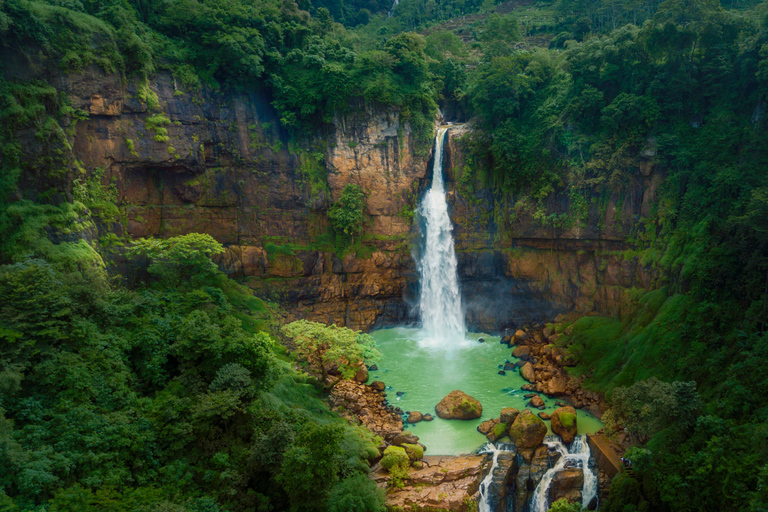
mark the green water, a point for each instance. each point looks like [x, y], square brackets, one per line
[427, 374]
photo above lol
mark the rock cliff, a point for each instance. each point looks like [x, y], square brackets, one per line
[219, 162]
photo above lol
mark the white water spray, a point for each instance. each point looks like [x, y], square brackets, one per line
[442, 316]
[577, 456]
[483, 501]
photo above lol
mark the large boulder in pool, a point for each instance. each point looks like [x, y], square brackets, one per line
[564, 423]
[459, 406]
[527, 431]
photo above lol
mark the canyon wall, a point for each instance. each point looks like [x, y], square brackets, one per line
[228, 169]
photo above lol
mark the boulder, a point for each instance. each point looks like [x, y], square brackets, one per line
[545, 416]
[548, 331]
[377, 385]
[405, 437]
[459, 406]
[567, 484]
[527, 431]
[415, 417]
[564, 423]
[506, 340]
[499, 430]
[428, 417]
[487, 426]
[361, 375]
[508, 415]
[557, 386]
[528, 373]
[522, 350]
[521, 334]
[536, 401]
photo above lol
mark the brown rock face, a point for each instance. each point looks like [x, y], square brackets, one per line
[564, 423]
[443, 483]
[567, 484]
[459, 406]
[527, 372]
[527, 431]
[508, 415]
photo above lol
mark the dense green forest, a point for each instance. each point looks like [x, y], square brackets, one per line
[170, 393]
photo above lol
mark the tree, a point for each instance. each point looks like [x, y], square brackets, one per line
[563, 505]
[649, 406]
[348, 213]
[180, 259]
[324, 346]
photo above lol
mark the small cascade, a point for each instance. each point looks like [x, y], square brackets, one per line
[483, 502]
[392, 9]
[442, 316]
[577, 456]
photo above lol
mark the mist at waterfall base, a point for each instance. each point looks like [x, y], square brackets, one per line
[426, 374]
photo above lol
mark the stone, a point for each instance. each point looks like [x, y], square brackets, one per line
[567, 484]
[460, 406]
[506, 340]
[415, 417]
[527, 431]
[481, 340]
[520, 364]
[522, 350]
[373, 367]
[557, 386]
[377, 385]
[548, 331]
[545, 416]
[528, 387]
[400, 393]
[498, 431]
[521, 334]
[361, 375]
[509, 366]
[508, 415]
[529, 395]
[527, 372]
[564, 423]
[487, 426]
[560, 403]
[428, 417]
[405, 437]
[536, 401]
[502, 372]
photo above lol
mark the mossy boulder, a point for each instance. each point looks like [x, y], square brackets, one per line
[459, 406]
[564, 423]
[414, 451]
[499, 430]
[527, 431]
[395, 457]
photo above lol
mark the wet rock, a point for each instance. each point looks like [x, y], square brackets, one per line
[564, 423]
[509, 366]
[405, 437]
[501, 480]
[545, 416]
[361, 375]
[527, 431]
[560, 403]
[481, 340]
[527, 372]
[537, 401]
[528, 387]
[400, 393]
[521, 351]
[486, 426]
[373, 368]
[377, 385]
[520, 364]
[502, 372]
[506, 340]
[428, 417]
[508, 415]
[557, 386]
[459, 406]
[529, 395]
[415, 417]
[567, 484]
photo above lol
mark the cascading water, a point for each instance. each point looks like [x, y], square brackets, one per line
[577, 456]
[483, 502]
[442, 316]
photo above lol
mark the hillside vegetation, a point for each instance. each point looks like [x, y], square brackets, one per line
[169, 394]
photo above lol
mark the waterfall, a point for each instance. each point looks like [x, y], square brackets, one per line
[577, 456]
[440, 303]
[483, 501]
